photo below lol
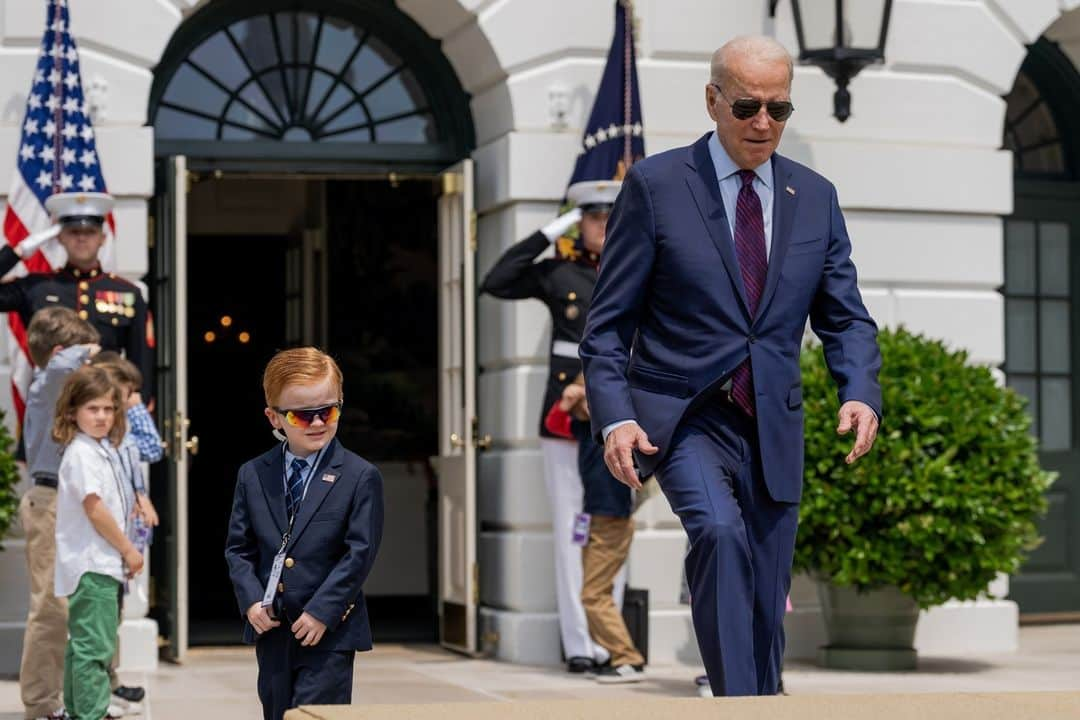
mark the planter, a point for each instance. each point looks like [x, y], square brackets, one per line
[872, 631]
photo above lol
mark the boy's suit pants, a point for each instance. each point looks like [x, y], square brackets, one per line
[291, 675]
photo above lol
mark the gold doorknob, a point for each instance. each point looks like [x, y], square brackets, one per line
[193, 445]
[456, 441]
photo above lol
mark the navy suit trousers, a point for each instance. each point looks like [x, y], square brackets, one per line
[291, 675]
[741, 546]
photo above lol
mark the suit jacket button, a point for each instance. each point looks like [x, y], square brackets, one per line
[752, 339]
[289, 562]
[281, 587]
[562, 377]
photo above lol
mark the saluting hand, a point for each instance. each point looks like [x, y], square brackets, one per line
[618, 452]
[260, 619]
[308, 630]
[860, 417]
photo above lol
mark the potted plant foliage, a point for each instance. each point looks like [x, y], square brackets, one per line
[948, 498]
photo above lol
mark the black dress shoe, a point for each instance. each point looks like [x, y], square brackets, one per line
[130, 694]
[579, 665]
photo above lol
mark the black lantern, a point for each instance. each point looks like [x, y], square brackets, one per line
[841, 38]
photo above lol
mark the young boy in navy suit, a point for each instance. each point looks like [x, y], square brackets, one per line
[306, 524]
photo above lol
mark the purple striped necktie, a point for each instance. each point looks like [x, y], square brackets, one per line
[753, 265]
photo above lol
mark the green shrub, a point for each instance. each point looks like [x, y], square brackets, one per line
[948, 497]
[9, 478]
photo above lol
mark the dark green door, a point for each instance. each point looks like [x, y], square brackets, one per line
[1042, 329]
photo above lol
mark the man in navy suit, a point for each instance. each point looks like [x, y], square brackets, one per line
[716, 255]
[306, 523]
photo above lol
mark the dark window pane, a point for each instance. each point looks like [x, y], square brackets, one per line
[1054, 336]
[1020, 336]
[171, 124]
[362, 135]
[339, 39]
[373, 63]
[1028, 387]
[1019, 257]
[1056, 414]
[1053, 258]
[412, 129]
[253, 94]
[399, 94]
[192, 90]
[257, 41]
[218, 57]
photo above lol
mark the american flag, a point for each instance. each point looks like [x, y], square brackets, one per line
[57, 153]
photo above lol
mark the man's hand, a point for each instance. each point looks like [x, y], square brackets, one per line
[146, 510]
[260, 619]
[308, 630]
[860, 417]
[30, 244]
[571, 396]
[134, 561]
[618, 456]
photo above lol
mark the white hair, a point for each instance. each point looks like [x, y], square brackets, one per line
[756, 47]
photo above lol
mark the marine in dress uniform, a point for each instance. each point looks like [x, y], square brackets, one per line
[112, 304]
[565, 284]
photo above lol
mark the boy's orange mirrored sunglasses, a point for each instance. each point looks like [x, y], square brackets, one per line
[329, 414]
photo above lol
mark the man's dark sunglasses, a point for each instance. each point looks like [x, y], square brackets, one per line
[746, 108]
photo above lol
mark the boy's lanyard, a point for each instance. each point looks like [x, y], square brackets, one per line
[279, 559]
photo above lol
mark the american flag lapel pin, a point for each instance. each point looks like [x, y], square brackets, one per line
[790, 190]
[329, 478]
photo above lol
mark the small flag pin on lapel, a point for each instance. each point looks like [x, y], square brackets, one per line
[329, 478]
[790, 190]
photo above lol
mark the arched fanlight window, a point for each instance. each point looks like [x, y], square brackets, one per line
[311, 72]
[1031, 131]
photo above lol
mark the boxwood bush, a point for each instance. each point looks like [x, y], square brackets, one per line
[948, 497]
[9, 478]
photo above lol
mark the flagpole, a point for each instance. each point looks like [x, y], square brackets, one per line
[58, 111]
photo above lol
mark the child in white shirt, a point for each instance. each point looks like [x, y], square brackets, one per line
[93, 552]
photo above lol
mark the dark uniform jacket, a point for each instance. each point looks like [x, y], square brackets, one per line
[565, 286]
[109, 302]
[331, 550]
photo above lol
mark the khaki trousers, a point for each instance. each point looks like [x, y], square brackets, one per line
[41, 674]
[602, 558]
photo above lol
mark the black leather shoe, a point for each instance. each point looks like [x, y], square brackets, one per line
[130, 694]
[579, 665]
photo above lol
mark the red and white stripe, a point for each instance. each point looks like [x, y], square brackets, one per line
[23, 216]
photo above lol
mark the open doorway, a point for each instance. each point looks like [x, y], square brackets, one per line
[350, 265]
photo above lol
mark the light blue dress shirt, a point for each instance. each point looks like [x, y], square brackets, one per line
[727, 172]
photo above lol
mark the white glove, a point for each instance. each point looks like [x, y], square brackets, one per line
[30, 245]
[557, 227]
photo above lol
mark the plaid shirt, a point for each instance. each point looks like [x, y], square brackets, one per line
[144, 434]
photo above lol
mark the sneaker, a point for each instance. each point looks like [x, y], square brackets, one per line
[130, 694]
[60, 714]
[703, 688]
[620, 674]
[115, 712]
[578, 665]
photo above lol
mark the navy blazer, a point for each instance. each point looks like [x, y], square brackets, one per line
[333, 545]
[669, 320]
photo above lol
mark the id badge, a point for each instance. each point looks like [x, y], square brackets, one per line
[275, 576]
[580, 536]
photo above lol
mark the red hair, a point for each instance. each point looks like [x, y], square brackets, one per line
[298, 366]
